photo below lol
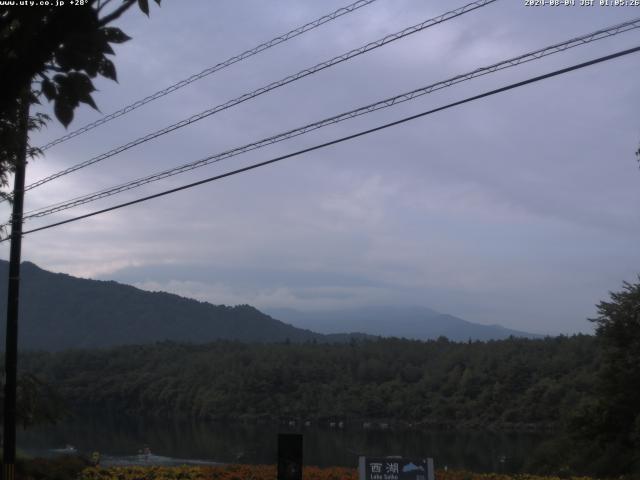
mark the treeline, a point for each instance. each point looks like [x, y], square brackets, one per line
[514, 383]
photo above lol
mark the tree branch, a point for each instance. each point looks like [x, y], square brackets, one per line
[116, 13]
[102, 4]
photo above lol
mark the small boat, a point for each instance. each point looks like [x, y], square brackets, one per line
[68, 449]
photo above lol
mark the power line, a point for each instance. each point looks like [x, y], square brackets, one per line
[341, 139]
[289, 79]
[208, 71]
[386, 103]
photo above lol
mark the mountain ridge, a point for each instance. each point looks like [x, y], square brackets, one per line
[59, 311]
[412, 322]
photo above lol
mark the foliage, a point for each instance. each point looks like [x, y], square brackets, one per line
[268, 472]
[61, 468]
[223, 472]
[609, 427]
[10, 143]
[618, 332]
[53, 52]
[36, 401]
[513, 383]
[59, 311]
[464, 475]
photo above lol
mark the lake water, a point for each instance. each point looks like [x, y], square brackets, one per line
[120, 442]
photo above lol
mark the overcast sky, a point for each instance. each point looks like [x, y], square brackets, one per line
[519, 209]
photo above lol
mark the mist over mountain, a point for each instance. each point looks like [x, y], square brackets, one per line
[58, 311]
[414, 322]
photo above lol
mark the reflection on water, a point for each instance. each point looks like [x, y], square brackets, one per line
[142, 460]
[120, 441]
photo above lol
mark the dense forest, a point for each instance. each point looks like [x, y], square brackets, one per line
[515, 383]
[583, 390]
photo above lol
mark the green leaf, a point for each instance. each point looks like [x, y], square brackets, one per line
[73, 88]
[107, 69]
[79, 82]
[88, 99]
[107, 49]
[79, 89]
[115, 35]
[93, 65]
[49, 89]
[74, 53]
[63, 111]
[59, 78]
[144, 6]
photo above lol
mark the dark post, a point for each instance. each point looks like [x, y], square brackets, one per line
[289, 456]
[13, 296]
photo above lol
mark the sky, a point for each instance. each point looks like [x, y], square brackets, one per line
[520, 209]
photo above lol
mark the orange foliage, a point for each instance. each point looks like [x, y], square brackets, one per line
[222, 472]
[268, 472]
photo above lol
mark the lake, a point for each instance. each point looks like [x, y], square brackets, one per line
[121, 440]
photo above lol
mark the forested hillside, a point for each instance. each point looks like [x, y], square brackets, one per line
[511, 383]
[59, 311]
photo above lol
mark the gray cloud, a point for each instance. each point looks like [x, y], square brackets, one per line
[520, 209]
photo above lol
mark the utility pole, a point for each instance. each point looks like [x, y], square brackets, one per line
[13, 296]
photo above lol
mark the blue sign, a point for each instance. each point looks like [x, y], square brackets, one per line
[395, 468]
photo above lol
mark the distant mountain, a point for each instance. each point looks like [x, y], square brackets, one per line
[419, 323]
[58, 311]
